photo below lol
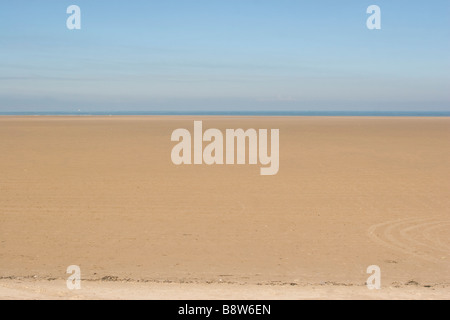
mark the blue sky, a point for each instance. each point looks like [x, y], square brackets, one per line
[224, 55]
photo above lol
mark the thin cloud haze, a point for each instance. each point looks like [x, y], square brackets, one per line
[224, 55]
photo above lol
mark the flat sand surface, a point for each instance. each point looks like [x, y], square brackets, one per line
[102, 193]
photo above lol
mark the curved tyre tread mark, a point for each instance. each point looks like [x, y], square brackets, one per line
[407, 235]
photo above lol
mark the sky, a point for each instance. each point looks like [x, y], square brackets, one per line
[224, 55]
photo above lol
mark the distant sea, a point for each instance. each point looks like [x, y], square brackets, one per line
[241, 113]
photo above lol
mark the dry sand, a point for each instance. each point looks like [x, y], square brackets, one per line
[102, 193]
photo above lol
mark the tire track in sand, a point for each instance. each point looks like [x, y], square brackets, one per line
[413, 236]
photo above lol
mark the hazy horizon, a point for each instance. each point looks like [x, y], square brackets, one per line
[214, 56]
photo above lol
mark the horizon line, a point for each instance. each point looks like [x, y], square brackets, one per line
[231, 113]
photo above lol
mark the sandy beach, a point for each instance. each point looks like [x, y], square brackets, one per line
[102, 193]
